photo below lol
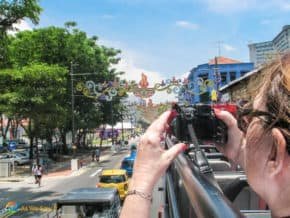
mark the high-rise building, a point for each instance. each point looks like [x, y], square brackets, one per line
[218, 72]
[264, 51]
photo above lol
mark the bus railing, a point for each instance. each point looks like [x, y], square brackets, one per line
[191, 193]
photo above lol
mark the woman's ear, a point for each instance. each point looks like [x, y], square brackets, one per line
[276, 159]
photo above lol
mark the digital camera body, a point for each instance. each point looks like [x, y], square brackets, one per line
[207, 127]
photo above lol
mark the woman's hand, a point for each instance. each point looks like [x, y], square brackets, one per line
[233, 148]
[152, 159]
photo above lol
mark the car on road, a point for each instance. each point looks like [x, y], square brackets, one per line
[115, 178]
[3, 155]
[22, 152]
[128, 163]
[3, 149]
[16, 159]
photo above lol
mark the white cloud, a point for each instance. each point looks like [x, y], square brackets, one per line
[233, 6]
[284, 4]
[266, 22]
[107, 16]
[184, 75]
[228, 47]
[187, 25]
[222, 6]
[20, 26]
[133, 72]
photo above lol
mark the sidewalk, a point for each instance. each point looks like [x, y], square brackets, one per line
[63, 169]
[86, 164]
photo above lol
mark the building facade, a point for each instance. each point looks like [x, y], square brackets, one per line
[218, 72]
[265, 51]
[243, 88]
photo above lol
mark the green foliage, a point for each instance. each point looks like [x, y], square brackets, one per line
[33, 91]
[15, 10]
[12, 12]
[73, 50]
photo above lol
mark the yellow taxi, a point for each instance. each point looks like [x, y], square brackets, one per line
[114, 178]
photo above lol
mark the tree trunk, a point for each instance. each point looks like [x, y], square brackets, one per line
[63, 140]
[5, 130]
[84, 135]
[101, 141]
[78, 139]
[49, 140]
[31, 147]
[31, 137]
[37, 152]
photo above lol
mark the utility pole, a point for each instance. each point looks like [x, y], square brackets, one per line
[219, 43]
[111, 110]
[217, 77]
[122, 128]
[72, 102]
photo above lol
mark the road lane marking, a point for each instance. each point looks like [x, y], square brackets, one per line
[97, 172]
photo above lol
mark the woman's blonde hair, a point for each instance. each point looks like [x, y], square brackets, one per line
[276, 91]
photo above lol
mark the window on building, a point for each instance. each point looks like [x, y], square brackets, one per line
[232, 76]
[223, 77]
[243, 73]
[204, 76]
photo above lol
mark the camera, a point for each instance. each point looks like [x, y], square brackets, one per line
[206, 126]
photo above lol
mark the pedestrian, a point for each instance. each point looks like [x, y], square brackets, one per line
[39, 172]
[33, 170]
[97, 153]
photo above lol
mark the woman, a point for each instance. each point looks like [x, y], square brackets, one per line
[34, 169]
[259, 141]
[39, 172]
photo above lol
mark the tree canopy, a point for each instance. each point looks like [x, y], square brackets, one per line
[70, 50]
[14, 11]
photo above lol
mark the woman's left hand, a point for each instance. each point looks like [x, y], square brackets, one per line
[152, 159]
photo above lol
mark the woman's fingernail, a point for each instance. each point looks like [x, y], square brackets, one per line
[217, 111]
[173, 114]
[184, 147]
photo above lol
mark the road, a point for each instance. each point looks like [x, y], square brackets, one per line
[53, 187]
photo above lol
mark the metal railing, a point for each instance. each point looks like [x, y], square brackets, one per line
[191, 193]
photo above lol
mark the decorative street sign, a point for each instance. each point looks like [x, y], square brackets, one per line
[107, 90]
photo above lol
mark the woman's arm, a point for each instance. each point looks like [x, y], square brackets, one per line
[150, 164]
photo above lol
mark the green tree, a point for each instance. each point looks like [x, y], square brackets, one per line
[32, 94]
[11, 12]
[73, 49]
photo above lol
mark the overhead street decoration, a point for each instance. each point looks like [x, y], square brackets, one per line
[151, 111]
[107, 90]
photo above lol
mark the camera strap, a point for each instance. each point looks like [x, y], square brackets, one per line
[200, 157]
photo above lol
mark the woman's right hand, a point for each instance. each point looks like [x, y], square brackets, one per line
[233, 148]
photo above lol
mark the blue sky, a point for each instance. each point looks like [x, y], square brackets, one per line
[167, 38]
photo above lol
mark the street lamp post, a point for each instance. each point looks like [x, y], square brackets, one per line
[72, 102]
[111, 109]
[122, 129]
